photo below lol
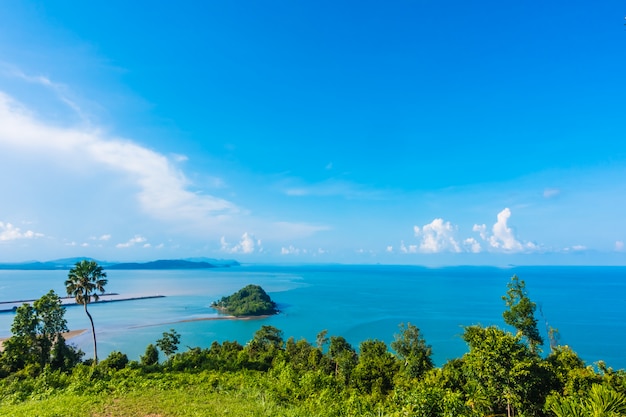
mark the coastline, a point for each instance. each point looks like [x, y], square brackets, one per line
[66, 335]
[213, 318]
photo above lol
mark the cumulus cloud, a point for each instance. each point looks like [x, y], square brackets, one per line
[11, 232]
[132, 242]
[407, 249]
[472, 245]
[437, 236]
[502, 237]
[248, 244]
[162, 188]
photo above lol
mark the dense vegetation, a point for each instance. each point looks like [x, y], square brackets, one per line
[251, 300]
[502, 374]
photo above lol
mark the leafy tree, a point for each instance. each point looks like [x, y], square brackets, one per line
[265, 345]
[169, 342]
[36, 333]
[344, 358]
[506, 373]
[565, 365]
[268, 337]
[412, 349]
[300, 354]
[150, 356]
[50, 323]
[521, 312]
[84, 281]
[116, 360]
[321, 339]
[64, 356]
[376, 368]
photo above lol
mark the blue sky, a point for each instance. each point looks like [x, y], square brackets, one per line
[413, 132]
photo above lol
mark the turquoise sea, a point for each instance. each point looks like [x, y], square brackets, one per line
[586, 304]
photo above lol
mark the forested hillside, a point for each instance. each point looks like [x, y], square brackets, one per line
[252, 300]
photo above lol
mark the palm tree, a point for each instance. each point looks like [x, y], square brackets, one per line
[83, 282]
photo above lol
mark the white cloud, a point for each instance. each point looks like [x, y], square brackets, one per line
[407, 249]
[619, 246]
[389, 249]
[10, 232]
[59, 90]
[472, 245]
[290, 250]
[162, 189]
[502, 237]
[551, 192]
[248, 244]
[132, 242]
[576, 248]
[102, 238]
[482, 230]
[437, 236]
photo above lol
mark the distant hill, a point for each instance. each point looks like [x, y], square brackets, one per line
[68, 263]
[163, 264]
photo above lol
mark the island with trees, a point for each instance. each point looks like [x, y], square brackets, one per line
[252, 300]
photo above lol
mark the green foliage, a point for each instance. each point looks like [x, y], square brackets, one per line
[150, 356]
[116, 360]
[376, 368]
[37, 337]
[413, 351]
[169, 342]
[251, 300]
[600, 401]
[505, 371]
[344, 358]
[521, 312]
[84, 282]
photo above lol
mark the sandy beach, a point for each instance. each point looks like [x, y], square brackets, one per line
[67, 335]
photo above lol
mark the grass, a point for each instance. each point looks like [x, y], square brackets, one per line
[181, 395]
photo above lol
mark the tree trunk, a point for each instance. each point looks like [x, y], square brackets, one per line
[93, 332]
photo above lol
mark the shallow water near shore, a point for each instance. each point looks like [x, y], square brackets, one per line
[586, 304]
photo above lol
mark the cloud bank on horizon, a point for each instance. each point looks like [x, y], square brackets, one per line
[312, 151]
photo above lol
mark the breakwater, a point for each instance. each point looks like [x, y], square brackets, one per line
[11, 306]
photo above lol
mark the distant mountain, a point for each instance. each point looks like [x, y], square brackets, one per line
[68, 263]
[216, 262]
[163, 264]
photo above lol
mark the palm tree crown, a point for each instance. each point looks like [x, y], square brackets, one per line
[85, 280]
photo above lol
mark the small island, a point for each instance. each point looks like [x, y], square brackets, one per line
[251, 300]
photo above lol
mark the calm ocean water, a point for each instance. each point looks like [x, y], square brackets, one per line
[586, 304]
